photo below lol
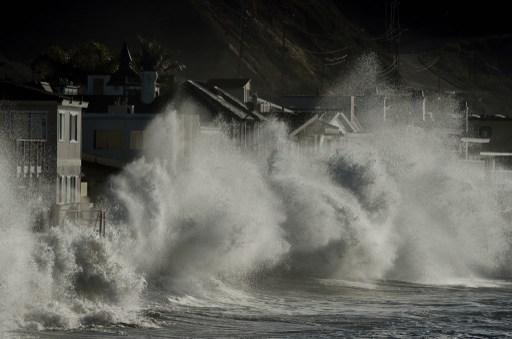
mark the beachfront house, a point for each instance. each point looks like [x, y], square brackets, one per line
[42, 134]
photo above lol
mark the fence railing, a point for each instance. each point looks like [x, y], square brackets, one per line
[95, 218]
[31, 158]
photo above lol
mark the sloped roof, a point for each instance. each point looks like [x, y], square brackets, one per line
[277, 107]
[125, 74]
[233, 100]
[218, 100]
[12, 91]
[329, 116]
[314, 119]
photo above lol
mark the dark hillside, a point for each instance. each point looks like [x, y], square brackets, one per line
[287, 47]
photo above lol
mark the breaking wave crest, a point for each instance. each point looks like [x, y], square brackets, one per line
[66, 277]
[394, 205]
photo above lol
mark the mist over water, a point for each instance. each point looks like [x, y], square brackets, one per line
[393, 205]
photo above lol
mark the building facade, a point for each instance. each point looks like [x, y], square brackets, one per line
[42, 134]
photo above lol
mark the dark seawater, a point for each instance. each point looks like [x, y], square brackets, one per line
[321, 308]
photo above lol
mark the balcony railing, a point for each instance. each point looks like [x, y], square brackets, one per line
[31, 158]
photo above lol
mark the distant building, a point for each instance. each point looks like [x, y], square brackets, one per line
[233, 108]
[316, 133]
[487, 134]
[43, 131]
[121, 105]
[239, 88]
[126, 82]
[320, 121]
[113, 139]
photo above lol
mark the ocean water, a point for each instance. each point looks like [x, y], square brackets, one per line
[321, 308]
[387, 234]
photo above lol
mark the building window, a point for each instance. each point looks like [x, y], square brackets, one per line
[73, 127]
[66, 189]
[107, 139]
[59, 189]
[72, 189]
[485, 132]
[136, 140]
[37, 123]
[60, 126]
[98, 84]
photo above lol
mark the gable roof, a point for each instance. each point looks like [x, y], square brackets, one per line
[125, 74]
[335, 119]
[233, 100]
[315, 118]
[218, 100]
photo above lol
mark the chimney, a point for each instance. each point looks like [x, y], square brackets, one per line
[148, 91]
[255, 101]
[149, 76]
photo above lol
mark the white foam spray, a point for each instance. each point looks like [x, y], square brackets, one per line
[394, 205]
[66, 277]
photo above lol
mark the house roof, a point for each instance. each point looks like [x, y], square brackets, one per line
[227, 83]
[235, 101]
[218, 101]
[12, 91]
[314, 119]
[353, 125]
[329, 116]
[125, 74]
[100, 103]
[277, 108]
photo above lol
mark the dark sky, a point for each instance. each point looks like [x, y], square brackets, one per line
[30, 27]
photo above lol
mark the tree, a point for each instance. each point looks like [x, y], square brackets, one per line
[153, 55]
[57, 64]
[92, 57]
[52, 64]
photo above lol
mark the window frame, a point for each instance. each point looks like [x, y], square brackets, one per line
[73, 127]
[61, 122]
[136, 140]
[72, 188]
[60, 185]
